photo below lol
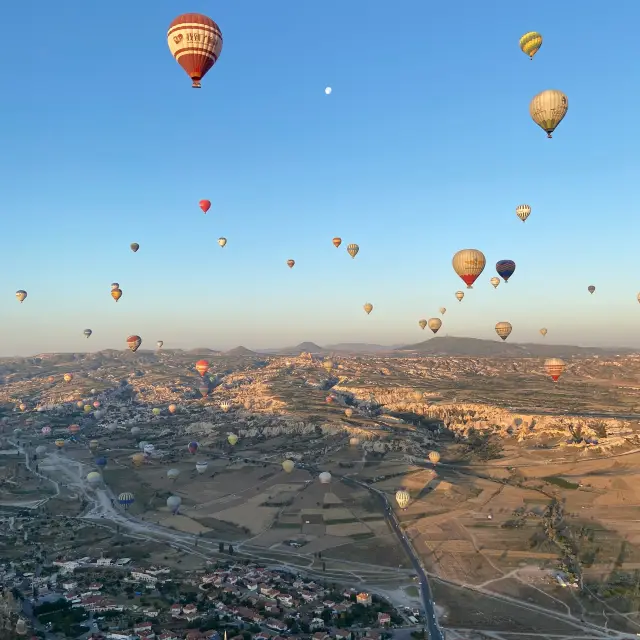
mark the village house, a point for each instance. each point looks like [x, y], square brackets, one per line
[176, 610]
[276, 625]
[142, 627]
[363, 598]
[139, 576]
[168, 635]
[190, 612]
[384, 619]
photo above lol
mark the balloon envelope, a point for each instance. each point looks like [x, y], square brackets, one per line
[434, 324]
[505, 269]
[523, 211]
[503, 329]
[530, 43]
[402, 498]
[548, 108]
[205, 205]
[469, 264]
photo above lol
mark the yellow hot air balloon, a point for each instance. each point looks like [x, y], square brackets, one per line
[469, 264]
[554, 367]
[368, 308]
[543, 331]
[21, 294]
[155, 411]
[67, 377]
[348, 412]
[116, 294]
[459, 295]
[352, 250]
[523, 211]
[93, 444]
[422, 323]
[87, 408]
[530, 43]
[402, 498]
[495, 282]
[434, 457]
[337, 242]
[222, 241]
[443, 310]
[503, 329]
[548, 108]
[434, 324]
[288, 466]
[59, 443]
[137, 459]
[232, 439]
[22, 406]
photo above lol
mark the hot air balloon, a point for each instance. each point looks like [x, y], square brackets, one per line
[434, 324]
[548, 108]
[225, 405]
[290, 263]
[328, 90]
[174, 502]
[591, 289]
[523, 211]
[22, 406]
[195, 41]
[503, 329]
[156, 411]
[87, 408]
[41, 450]
[329, 399]
[434, 457]
[222, 241]
[193, 447]
[21, 627]
[368, 308]
[79, 404]
[232, 439]
[337, 242]
[202, 366]
[134, 246]
[96, 404]
[422, 323]
[543, 331]
[114, 286]
[21, 295]
[288, 466]
[148, 449]
[554, 367]
[354, 442]
[459, 295]
[173, 474]
[46, 430]
[87, 333]
[137, 459]
[134, 342]
[443, 310]
[469, 264]
[352, 250]
[530, 43]
[116, 294]
[204, 389]
[348, 412]
[495, 282]
[402, 498]
[159, 344]
[59, 443]
[101, 462]
[94, 478]
[172, 408]
[67, 377]
[74, 428]
[638, 297]
[205, 205]
[135, 431]
[126, 499]
[505, 269]
[325, 477]
[201, 466]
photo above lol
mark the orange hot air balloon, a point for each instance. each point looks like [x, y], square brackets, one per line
[202, 366]
[290, 263]
[195, 41]
[67, 377]
[205, 205]
[134, 342]
[337, 242]
[172, 408]
[116, 294]
[554, 367]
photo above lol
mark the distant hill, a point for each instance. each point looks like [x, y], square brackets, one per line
[474, 347]
[306, 347]
[203, 351]
[240, 351]
[358, 347]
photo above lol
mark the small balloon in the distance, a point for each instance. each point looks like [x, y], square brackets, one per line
[327, 90]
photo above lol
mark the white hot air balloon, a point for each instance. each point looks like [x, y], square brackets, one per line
[325, 477]
[288, 465]
[201, 467]
[403, 498]
[174, 502]
[328, 90]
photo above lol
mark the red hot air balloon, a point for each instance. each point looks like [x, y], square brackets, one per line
[205, 205]
[195, 41]
[133, 342]
[202, 366]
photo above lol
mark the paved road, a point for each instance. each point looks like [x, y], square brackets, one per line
[431, 624]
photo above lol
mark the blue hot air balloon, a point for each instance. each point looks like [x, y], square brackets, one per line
[126, 499]
[101, 462]
[505, 268]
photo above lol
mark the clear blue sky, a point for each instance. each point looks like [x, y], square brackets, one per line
[424, 147]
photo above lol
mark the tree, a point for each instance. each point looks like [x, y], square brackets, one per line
[221, 547]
